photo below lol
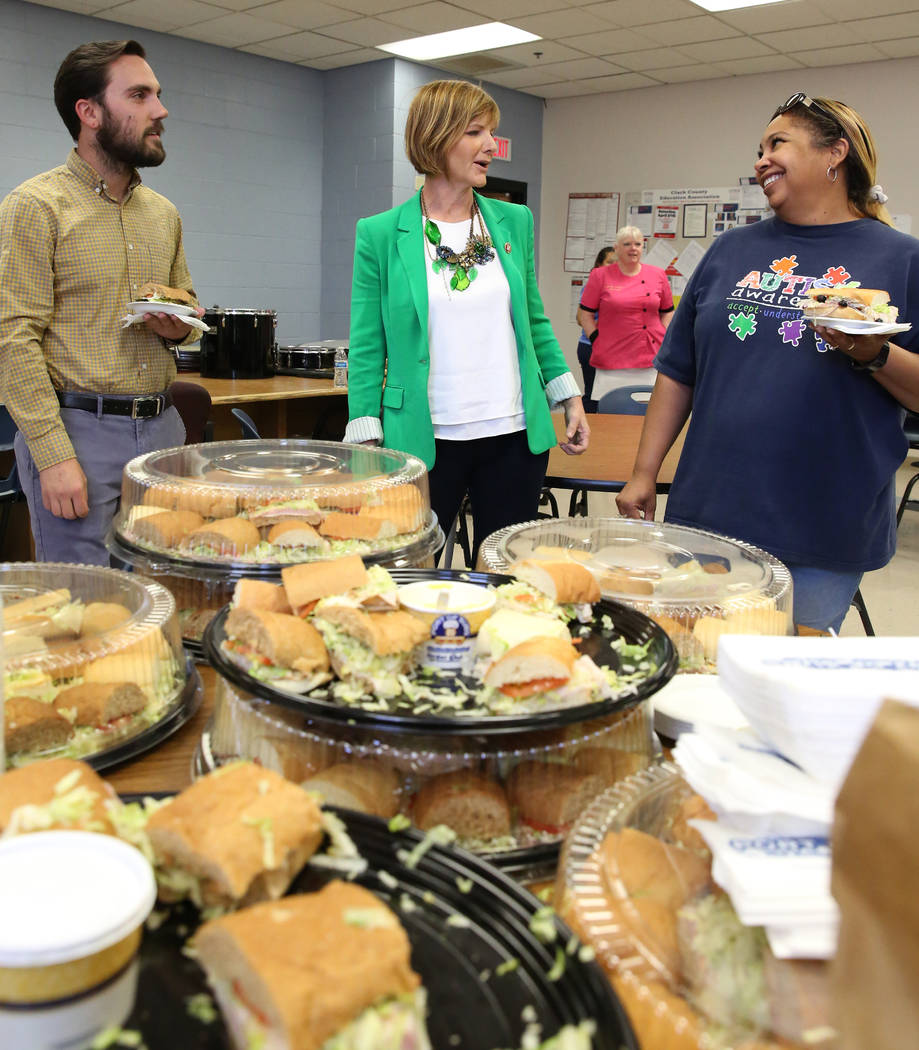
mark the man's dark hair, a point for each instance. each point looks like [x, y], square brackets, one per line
[84, 73]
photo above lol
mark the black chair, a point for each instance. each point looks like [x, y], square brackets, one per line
[625, 401]
[246, 423]
[911, 429]
[193, 404]
[10, 489]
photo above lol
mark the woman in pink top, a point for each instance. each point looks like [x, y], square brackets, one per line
[634, 304]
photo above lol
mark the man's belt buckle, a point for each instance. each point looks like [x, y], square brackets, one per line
[154, 398]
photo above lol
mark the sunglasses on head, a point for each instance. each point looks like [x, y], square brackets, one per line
[800, 99]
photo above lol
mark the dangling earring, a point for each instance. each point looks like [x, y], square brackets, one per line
[835, 172]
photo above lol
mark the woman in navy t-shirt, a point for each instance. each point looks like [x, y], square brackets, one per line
[796, 432]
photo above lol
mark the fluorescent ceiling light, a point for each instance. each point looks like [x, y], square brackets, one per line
[459, 42]
[732, 5]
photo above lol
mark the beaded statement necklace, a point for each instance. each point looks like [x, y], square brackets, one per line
[462, 265]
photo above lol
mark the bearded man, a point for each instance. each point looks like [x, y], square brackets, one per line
[76, 246]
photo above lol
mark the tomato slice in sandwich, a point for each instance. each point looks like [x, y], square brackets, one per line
[519, 690]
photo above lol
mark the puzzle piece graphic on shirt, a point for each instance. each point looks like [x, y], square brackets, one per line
[837, 274]
[785, 265]
[791, 331]
[742, 325]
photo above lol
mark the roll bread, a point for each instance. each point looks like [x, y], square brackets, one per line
[475, 806]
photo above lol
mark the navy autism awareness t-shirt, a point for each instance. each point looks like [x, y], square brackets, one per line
[789, 447]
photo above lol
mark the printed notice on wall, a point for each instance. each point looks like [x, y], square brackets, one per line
[592, 224]
[665, 220]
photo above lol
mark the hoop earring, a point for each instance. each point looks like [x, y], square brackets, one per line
[835, 172]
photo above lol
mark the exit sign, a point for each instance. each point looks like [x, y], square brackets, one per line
[503, 151]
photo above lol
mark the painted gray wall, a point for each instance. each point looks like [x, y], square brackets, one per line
[270, 164]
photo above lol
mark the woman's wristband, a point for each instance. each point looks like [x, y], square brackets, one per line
[593, 335]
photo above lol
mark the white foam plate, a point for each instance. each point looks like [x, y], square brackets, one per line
[143, 307]
[690, 699]
[849, 326]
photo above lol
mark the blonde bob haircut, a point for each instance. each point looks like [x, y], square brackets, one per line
[439, 114]
[827, 119]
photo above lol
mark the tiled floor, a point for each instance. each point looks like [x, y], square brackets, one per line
[891, 594]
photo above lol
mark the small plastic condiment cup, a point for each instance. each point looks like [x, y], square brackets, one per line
[72, 909]
[454, 611]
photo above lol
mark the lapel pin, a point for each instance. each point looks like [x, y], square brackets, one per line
[507, 247]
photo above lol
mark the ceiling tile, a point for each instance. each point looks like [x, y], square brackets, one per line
[347, 58]
[524, 78]
[611, 42]
[840, 56]
[571, 21]
[435, 17]
[739, 67]
[690, 31]
[622, 82]
[654, 58]
[368, 32]
[888, 27]
[716, 50]
[162, 16]
[239, 5]
[774, 17]
[642, 12]
[816, 37]
[843, 10]
[546, 50]
[230, 30]
[581, 69]
[80, 7]
[900, 48]
[684, 74]
[509, 10]
[298, 47]
[304, 14]
[566, 89]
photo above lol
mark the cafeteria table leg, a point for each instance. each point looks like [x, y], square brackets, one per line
[577, 506]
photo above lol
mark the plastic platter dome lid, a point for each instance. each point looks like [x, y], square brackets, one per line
[236, 475]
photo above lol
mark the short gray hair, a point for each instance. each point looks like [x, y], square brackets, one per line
[629, 231]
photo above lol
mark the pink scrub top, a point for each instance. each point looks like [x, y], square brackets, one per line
[628, 314]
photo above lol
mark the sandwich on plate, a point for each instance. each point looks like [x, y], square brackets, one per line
[473, 804]
[295, 536]
[276, 511]
[260, 594]
[849, 302]
[103, 705]
[543, 673]
[549, 796]
[346, 580]
[55, 793]
[370, 651]
[238, 835]
[564, 589]
[319, 971]
[52, 616]
[367, 785]
[278, 648]
[162, 293]
[226, 538]
[31, 725]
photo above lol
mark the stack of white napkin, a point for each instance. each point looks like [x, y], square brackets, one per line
[810, 703]
[814, 699]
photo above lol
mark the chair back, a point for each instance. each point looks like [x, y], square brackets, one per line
[10, 488]
[193, 403]
[7, 429]
[246, 423]
[911, 429]
[623, 401]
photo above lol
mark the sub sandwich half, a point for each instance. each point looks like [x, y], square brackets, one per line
[849, 302]
[320, 971]
[277, 648]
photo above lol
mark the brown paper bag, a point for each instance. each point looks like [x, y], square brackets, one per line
[876, 884]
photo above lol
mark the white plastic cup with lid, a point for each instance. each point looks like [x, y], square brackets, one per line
[72, 909]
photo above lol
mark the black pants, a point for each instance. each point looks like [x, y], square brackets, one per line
[589, 373]
[502, 476]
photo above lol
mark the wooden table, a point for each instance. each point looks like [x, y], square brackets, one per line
[168, 766]
[607, 464]
[273, 397]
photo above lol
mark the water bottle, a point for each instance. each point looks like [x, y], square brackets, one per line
[340, 375]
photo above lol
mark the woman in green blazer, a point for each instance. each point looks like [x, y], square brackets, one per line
[444, 304]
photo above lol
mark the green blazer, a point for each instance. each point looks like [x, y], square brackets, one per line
[389, 324]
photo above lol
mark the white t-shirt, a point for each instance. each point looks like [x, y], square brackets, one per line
[474, 387]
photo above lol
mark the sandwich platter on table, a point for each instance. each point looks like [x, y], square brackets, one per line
[494, 964]
[611, 627]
